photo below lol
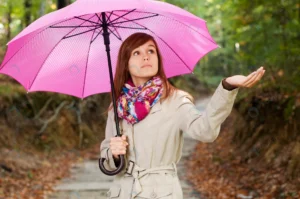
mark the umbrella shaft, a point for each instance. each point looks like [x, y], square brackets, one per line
[107, 42]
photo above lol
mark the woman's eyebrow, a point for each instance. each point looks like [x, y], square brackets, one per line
[148, 46]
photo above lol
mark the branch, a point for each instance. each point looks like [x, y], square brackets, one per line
[37, 117]
[31, 103]
[51, 119]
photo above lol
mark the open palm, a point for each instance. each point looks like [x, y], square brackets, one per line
[246, 81]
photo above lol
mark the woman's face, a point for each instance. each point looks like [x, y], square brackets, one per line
[143, 63]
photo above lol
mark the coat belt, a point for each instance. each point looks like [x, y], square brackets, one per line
[138, 172]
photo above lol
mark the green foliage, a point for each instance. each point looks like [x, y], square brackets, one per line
[251, 34]
[289, 108]
[213, 81]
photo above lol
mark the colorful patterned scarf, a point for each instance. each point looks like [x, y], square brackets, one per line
[135, 103]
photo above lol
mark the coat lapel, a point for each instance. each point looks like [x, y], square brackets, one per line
[156, 107]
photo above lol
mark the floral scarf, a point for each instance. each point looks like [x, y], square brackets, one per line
[135, 103]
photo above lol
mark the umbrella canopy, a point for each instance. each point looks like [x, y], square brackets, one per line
[63, 51]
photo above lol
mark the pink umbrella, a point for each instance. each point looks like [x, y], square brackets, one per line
[62, 51]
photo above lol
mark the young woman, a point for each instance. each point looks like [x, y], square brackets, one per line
[153, 116]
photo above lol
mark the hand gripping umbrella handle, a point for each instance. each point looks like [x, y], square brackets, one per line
[120, 167]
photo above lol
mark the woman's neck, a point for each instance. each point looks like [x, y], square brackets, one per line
[140, 81]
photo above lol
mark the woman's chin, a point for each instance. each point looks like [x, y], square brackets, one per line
[146, 74]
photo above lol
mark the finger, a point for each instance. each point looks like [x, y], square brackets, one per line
[118, 149]
[114, 142]
[124, 137]
[119, 144]
[122, 142]
[113, 139]
[250, 83]
[122, 151]
[259, 76]
[258, 70]
[252, 77]
[121, 148]
[119, 139]
[116, 145]
[253, 74]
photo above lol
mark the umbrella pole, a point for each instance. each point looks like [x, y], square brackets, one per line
[107, 42]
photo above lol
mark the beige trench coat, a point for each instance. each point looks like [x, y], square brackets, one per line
[155, 144]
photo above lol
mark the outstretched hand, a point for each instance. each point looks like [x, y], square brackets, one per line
[246, 81]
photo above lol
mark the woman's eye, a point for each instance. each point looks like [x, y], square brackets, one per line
[138, 52]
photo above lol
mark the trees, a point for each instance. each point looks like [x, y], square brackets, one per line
[251, 34]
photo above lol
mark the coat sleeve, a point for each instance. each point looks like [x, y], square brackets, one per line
[205, 126]
[105, 151]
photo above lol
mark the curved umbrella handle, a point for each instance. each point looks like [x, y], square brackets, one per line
[111, 173]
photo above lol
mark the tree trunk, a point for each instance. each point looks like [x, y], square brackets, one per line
[62, 3]
[42, 8]
[9, 11]
[27, 15]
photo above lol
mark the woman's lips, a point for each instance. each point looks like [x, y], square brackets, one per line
[148, 65]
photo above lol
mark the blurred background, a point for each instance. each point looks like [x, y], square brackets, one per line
[257, 155]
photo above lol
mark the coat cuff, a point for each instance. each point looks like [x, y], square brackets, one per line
[228, 96]
[109, 160]
[228, 86]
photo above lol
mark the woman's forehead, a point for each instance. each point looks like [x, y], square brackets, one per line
[148, 44]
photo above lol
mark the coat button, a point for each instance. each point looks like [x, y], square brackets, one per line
[153, 195]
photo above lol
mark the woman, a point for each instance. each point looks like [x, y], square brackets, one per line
[153, 117]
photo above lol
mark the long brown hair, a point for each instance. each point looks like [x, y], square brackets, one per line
[122, 72]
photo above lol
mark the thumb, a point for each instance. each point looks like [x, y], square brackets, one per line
[124, 137]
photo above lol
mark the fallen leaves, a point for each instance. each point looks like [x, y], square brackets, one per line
[217, 172]
[33, 176]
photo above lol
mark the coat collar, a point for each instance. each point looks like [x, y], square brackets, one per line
[156, 107]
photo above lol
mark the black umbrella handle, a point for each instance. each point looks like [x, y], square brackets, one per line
[106, 42]
[111, 173]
